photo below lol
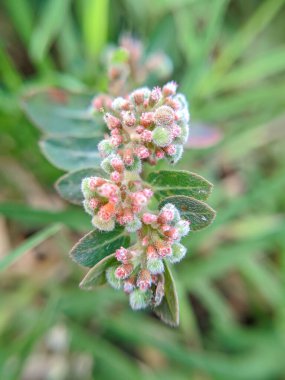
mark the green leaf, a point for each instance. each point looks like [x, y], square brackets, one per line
[96, 245]
[168, 310]
[69, 185]
[96, 275]
[71, 153]
[61, 113]
[196, 212]
[166, 183]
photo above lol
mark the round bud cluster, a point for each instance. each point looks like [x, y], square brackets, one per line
[118, 200]
[147, 125]
[140, 268]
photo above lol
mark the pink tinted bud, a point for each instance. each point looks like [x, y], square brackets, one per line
[139, 198]
[116, 176]
[111, 121]
[117, 164]
[93, 203]
[97, 103]
[169, 88]
[107, 211]
[121, 254]
[151, 252]
[148, 192]
[142, 152]
[155, 95]
[164, 250]
[147, 119]
[128, 216]
[116, 140]
[123, 271]
[166, 216]
[159, 154]
[144, 280]
[115, 132]
[107, 190]
[170, 149]
[172, 233]
[129, 285]
[94, 182]
[175, 131]
[126, 105]
[114, 199]
[129, 119]
[149, 218]
[174, 104]
[140, 129]
[128, 157]
[165, 227]
[138, 96]
[146, 135]
[164, 116]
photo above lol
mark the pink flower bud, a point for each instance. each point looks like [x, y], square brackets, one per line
[151, 252]
[115, 132]
[129, 285]
[149, 218]
[159, 154]
[128, 157]
[147, 118]
[117, 164]
[116, 140]
[175, 131]
[169, 88]
[164, 249]
[165, 227]
[142, 152]
[107, 211]
[116, 176]
[144, 280]
[112, 121]
[166, 216]
[121, 254]
[94, 182]
[148, 192]
[129, 119]
[93, 203]
[138, 96]
[123, 271]
[170, 149]
[155, 96]
[164, 116]
[140, 129]
[172, 233]
[146, 135]
[107, 190]
[139, 198]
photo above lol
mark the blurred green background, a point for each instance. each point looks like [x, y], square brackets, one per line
[229, 59]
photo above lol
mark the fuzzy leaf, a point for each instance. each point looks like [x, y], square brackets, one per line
[61, 113]
[167, 182]
[69, 185]
[96, 245]
[96, 275]
[199, 214]
[71, 153]
[168, 310]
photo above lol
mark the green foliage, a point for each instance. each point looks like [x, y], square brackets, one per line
[196, 212]
[96, 245]
[166, 183]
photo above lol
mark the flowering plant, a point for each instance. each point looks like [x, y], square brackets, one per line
[138, 220]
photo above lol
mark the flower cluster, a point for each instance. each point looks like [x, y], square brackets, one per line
[146, 126]
[140, 267]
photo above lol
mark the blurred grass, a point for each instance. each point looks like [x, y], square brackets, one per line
[229, 60]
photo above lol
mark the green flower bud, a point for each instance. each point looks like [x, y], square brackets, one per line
[182, 139]
[134, 225]
[136, 166]
[178, 252]
[155, 265]
[183, 227]
[161, 136]
[112, 279]
[171, 207]
[103, 225]
[105, 147]
[140, 299]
